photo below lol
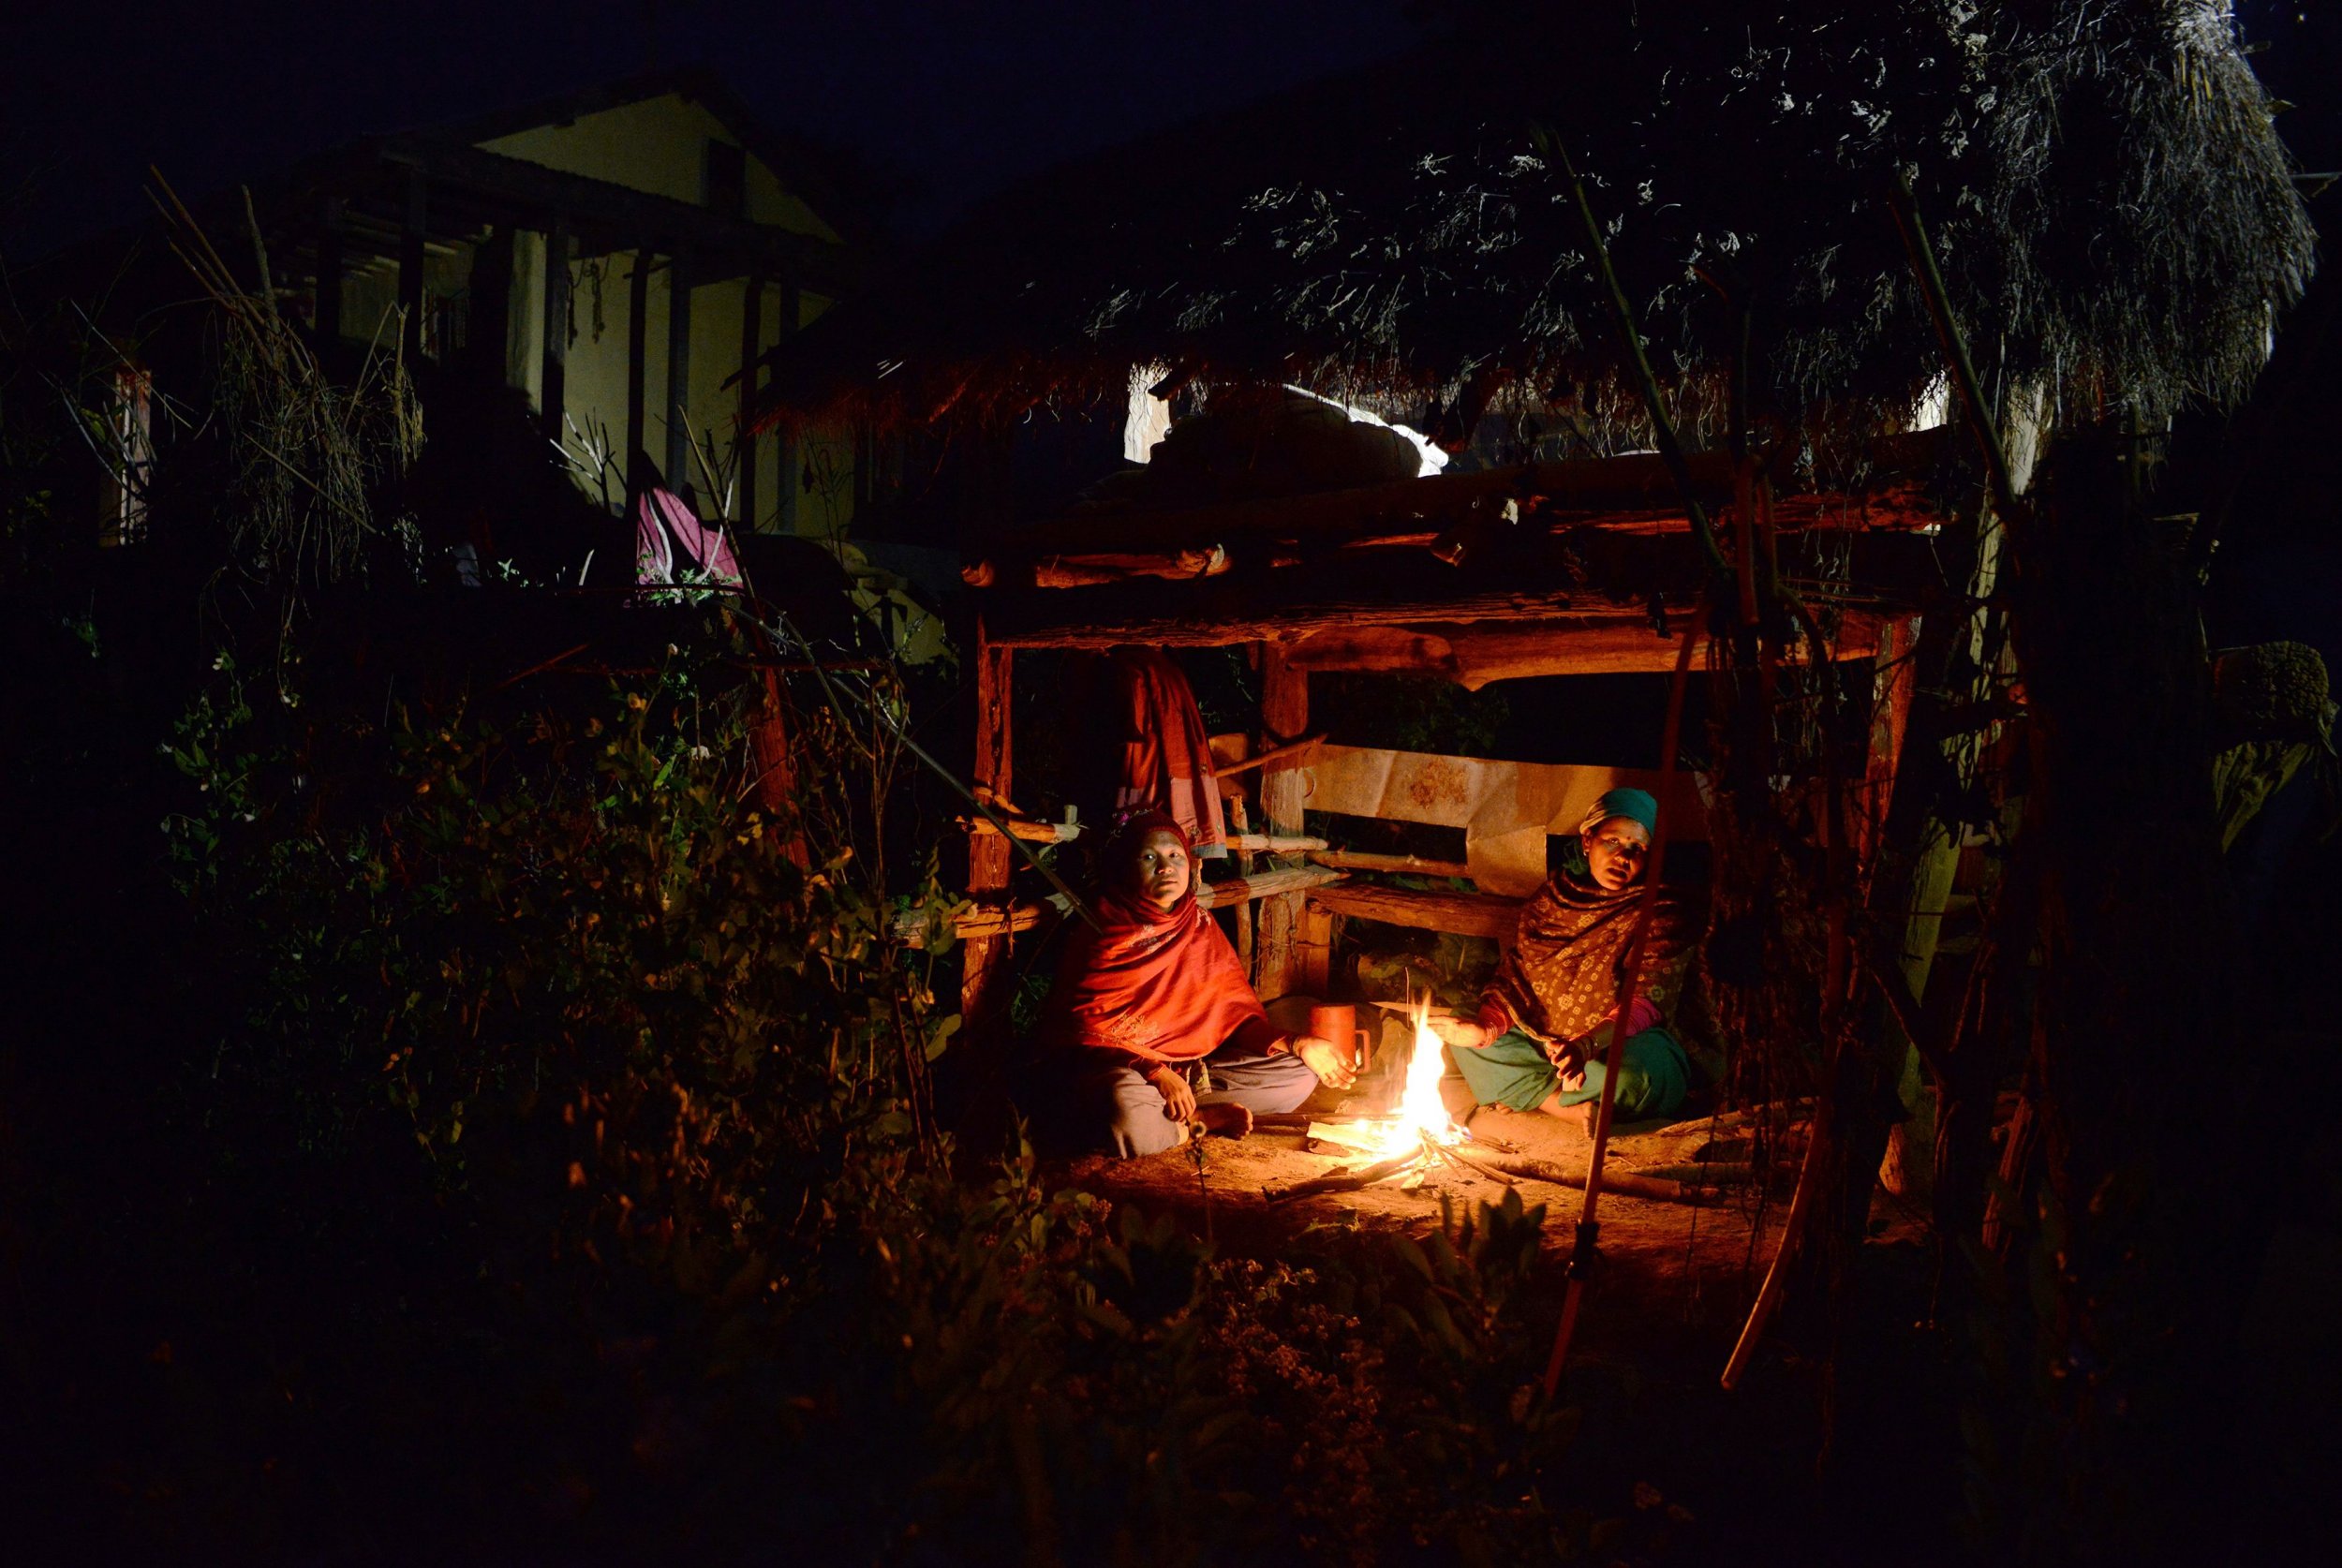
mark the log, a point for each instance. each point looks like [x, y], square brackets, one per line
[1265, 884]
[1343, 1180]
[1084, 571]
[1404, 866]
[1463, 914]
[1637, 485]
[989, 921]
[1288, 755]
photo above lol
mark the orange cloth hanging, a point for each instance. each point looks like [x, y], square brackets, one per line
[1167, 757]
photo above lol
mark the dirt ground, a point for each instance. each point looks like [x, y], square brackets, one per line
[1694, 1265]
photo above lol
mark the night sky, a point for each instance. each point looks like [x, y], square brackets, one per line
[949, 98]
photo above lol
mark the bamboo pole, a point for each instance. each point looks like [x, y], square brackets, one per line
[1630, 974]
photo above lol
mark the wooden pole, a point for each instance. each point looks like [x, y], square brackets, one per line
[983, 982]
[637, 356]
[751, 345]
[1284, 712]
[679, 373]
[1630, 976]
[553, 362]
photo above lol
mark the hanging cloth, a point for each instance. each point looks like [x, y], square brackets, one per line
[668, 538]
[1167, 757]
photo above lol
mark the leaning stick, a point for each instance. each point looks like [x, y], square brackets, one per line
[1630, 974]
[1346, 1180]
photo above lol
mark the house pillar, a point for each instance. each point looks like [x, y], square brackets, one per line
[678, 463]
[553, 363]
[637, 350]
[744, 440]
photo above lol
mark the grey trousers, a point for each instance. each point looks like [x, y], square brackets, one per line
[1122, 1112]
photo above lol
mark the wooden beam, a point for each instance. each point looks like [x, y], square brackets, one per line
[1608, 642]
[553, 364]
[1280, 606]
[1265, 884]
[678, 459]
[1901, 467]
[1285, 712]
[1404, 866]
[1286, 756]
[1464, 915]
[995, 921]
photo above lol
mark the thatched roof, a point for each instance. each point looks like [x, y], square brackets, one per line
[2115, 215]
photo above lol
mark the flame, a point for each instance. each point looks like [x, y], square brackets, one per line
[1421, 1114]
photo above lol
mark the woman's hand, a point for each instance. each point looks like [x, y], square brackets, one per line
[1327, 1060]
[1459, 1032]
[1179, 1095]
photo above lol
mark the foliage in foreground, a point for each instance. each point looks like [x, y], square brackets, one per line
[528, 1003]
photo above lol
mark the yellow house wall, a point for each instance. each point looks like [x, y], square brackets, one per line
[594, 398]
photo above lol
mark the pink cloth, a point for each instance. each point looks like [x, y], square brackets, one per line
[669, 536]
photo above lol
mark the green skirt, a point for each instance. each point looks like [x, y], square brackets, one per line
[1653, 1075]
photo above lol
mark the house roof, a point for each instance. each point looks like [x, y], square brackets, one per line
[807, 171]
[2115, 215]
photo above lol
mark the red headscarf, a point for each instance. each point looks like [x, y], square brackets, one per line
[1160, 983]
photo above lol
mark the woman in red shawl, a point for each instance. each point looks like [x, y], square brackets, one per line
[1153, 1019]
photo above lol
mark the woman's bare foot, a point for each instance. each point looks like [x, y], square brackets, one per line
[1224, 1120]
[1580, 1116]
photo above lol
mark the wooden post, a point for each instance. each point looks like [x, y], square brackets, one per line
[1893, 668]
[552, 365]
[410, 236]
[328, 315]
[983, 982]
[744, 438]
[1285, 712]
[679, 372]
[637, 355]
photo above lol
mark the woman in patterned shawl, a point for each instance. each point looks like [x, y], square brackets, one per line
[1545, 1020]
[1152, 1018]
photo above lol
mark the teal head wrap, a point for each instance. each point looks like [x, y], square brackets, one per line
[1634, 805]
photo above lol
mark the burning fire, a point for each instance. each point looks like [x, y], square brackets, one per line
[1421, 1117]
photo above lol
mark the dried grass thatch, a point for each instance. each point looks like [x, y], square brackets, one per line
[2114, 210]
